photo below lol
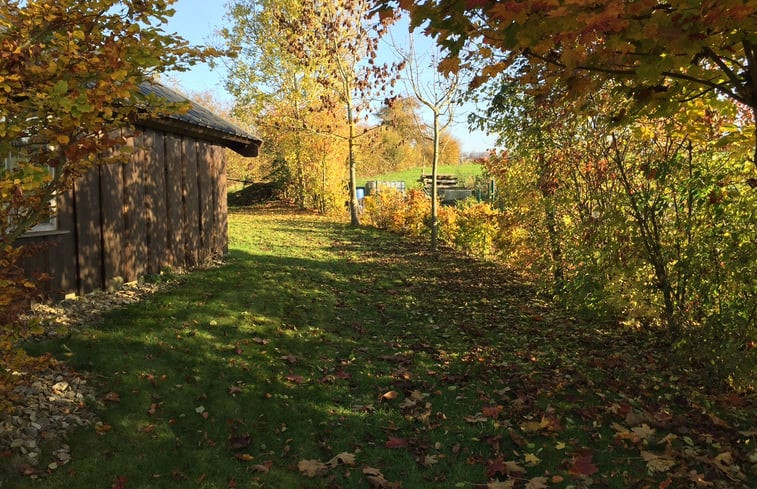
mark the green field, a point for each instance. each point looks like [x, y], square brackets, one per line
[466, 174]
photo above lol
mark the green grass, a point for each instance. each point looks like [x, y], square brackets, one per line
[466, 173]
[316, 339]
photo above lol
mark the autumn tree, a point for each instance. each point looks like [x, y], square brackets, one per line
[339, 40]
[439, 94]
[657, 54]
[400, 142]
[69, 78]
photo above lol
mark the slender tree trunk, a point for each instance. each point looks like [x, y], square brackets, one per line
[300, 181]
[550, 220]
[354, 216]
[434, 187]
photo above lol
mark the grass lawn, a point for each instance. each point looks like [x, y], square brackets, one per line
[466, 174]
[321, 356]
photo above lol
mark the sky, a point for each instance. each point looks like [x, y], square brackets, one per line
[197, 21]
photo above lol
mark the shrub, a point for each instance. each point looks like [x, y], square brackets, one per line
[477, 225]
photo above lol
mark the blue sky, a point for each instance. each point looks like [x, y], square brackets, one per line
[197, 20]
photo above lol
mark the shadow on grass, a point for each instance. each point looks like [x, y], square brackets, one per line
[315, 339]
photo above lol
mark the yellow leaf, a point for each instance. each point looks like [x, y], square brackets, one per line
[560, 446]
[62, 139]
[532, 459]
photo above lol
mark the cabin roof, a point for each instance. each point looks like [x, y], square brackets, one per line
[199, 122]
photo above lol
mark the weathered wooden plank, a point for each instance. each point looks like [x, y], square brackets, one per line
[135, 232]
[174, 203]
[88, 231]
[155, 202]
[220, 203]
[205, 189]
[62, 253]
[191, 202]
[112, 202]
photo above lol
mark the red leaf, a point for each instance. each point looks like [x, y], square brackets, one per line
[120, 482]
[394, 442]
[581, 465]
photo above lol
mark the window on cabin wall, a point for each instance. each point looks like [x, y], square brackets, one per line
[16, 162]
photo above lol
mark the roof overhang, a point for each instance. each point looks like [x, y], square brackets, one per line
[248, 147]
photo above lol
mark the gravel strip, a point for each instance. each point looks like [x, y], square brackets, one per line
[49, 404]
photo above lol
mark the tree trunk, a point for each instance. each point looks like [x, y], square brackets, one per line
[434, 187]
[354, 216]
[550, 220]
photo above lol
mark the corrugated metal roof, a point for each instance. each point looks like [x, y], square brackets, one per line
[199, 116]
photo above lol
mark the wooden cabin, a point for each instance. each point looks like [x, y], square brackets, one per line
[166, 207]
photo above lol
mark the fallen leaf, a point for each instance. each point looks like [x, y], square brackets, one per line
[233, 389]
[344, 458]
[149, 428]
[657, 463]
[531, 459]
[476, 418]
[395, 442]
[153, 408]
[537, 483]
[644, 431]
[492, 411]
[582, 465]
[244, 457]
[112, 397]
[391, 395]
[312, 468]
[377, 479]
[297, 379]
[102, 428]
[508, 484]
[200, 409]
[261, 341]
[240, 442]
[429, 460]
[290, 358]
[120, 483]
[264, 467]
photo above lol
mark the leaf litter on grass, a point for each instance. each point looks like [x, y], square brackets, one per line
[362, 359]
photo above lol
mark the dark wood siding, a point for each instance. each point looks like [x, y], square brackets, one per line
[174, 203]
[155, 201]
[89, 231]
[191, 202]
[166, 207]
[205, 186]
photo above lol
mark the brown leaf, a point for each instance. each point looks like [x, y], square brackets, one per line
[312, 468]
[657, 463]
[395, 442]
[582, 465]
[233, 389]
[508, 484]
[537, 483]
[112, 397]
[240, 442]
[264, 467]
[344, 458]
[244, 457]
[377, 479]
[391, 395]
